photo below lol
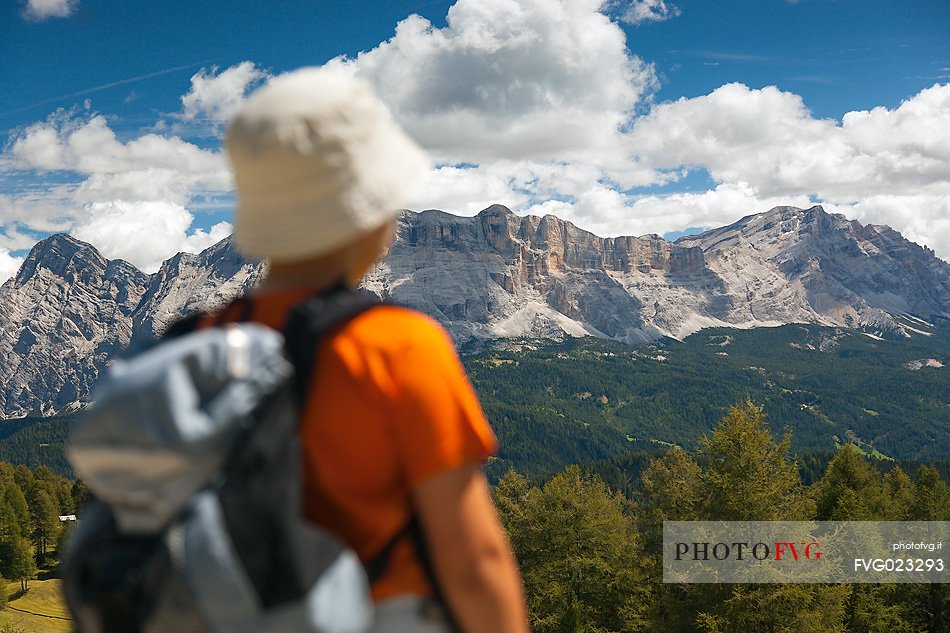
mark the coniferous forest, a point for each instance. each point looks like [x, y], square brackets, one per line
[591, 556]
[587, 400]
[37, 511]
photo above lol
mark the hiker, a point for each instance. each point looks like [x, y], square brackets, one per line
[391, 428]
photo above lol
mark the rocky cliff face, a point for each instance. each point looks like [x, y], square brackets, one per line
[189, 283]
[62, 318]
[498, 274]
[69, 311]
[795, 265]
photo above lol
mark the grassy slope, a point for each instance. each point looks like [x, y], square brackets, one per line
[44, 603]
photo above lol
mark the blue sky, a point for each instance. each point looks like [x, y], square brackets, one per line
[624, 116]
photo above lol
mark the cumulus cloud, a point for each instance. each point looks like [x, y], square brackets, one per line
[36, 211]
[144, 233]
[9, 265]
[468, 190]
[769, 138]
[520, 185]
[533, 80]
[762, 148]
[87, 145]
[128, 198]
[39, 10]
[214, 96]
[640, 11]
[883, 165]
[538, 100]
[923, 218]
[715, 207]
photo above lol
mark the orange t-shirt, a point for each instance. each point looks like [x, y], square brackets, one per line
[389, 407]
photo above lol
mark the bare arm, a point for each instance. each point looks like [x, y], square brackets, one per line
[472, 558]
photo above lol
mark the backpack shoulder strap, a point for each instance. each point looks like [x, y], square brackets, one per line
[313, 318]
[307, 323]
[184, 326]
[190, 323]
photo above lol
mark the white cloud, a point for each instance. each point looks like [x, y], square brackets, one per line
[531, 80]
[466, 191]
[610, 213]
[716, 207]
[39, 10]
[923, 218]
[769, 138]
[9, 265]
[129, 198]
[763, 148]
[640, 11]
[10, 237]
[214, 96]
[90, 146]
[144, 233]
[519, 185]
[733, 132]
[887, 166]
[37, 211]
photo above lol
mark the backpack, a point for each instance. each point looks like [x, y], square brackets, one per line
[191, 452]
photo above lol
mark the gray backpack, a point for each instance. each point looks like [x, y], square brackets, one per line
[191, 453]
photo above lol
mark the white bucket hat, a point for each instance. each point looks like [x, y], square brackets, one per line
[318, 161]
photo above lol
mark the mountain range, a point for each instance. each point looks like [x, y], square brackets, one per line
[69, 311]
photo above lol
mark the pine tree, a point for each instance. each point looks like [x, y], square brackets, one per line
[672, 485]
[24, 478]
[931, 496]
[850, 489]
[14, 496]
[897, 496]
[22, 563]
[45, 523]
[747, 475]
[577, 547]
[740, 473]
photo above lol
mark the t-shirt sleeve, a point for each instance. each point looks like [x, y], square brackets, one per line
[441, 424]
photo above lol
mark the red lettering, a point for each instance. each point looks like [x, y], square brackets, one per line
[787, 545]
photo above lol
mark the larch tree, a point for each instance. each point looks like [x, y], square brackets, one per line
[577, 546]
